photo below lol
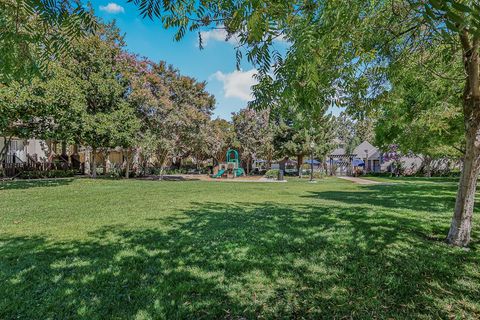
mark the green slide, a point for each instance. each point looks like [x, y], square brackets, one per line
[219, 174]
[239, 172]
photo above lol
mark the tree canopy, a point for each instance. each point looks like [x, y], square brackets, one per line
[35, 32]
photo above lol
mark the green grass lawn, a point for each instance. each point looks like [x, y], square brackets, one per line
[173, 250]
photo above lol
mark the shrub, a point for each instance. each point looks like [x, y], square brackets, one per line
[272, 174]
[114, 173]
[319, 174]
[38, 174]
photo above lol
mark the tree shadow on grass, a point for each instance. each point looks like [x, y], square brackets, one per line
[27, 184]
[168, 178]
[433, 198]
[243, 261]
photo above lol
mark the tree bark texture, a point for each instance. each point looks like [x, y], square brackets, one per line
[461, 224]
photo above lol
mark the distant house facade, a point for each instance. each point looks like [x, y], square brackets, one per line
[370, 155]
[366, 158]
[35, 154]
[19, 150]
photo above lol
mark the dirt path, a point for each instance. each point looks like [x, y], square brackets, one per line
[360, 180]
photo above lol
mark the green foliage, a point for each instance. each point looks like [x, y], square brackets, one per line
[374, 57]
[35, 32]
[293, 135]
[422, 113]
[254, 134]
[47, 174]
[47, 108]
[272, 174]
[108, 120]
[350, 133]
[319, 174]
[174, 110]
[224, 137]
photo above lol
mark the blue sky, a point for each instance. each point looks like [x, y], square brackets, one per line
[215, 64]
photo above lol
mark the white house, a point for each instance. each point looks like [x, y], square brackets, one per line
[371, 156]
[18, 149]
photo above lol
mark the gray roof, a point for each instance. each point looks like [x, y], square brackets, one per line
[359, 151]
[338, 152]
[366, 147]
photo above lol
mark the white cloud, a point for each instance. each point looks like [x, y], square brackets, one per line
[216, 35]
[220, 34]
[237, 84]
[113, 8]
[281, 39]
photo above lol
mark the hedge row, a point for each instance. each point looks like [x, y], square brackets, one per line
[38, 174]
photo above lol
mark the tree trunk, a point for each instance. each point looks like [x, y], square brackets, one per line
[127, 166]
[3, 155]
[461, 225]
[177, 163]
[86, 165]
[136, 161]
[428, 166]
[4, 152]
[64, 149]
[162, 167]
[94, 163]
[105, 163]
[299, 164]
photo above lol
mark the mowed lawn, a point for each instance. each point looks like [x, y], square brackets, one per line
[106, 249]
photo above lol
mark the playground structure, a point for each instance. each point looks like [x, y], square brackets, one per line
[231, 167]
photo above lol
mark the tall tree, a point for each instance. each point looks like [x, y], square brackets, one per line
[253, 133]
[193, 109]
[223, 133]
[174, 110]
[45, 108]
[149, 95]
[350, 132]
[294, 136]
[95, 62]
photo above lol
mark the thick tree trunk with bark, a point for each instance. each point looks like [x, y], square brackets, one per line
[461, 225]
[299, 164]
[428, 166]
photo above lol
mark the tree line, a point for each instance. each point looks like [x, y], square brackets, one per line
[101, 96]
